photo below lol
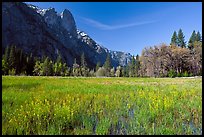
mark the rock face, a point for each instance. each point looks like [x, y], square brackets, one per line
[44, 32]
[68, 22]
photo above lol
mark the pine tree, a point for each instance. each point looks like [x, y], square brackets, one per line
[137, 65]
[51, 68]
[12, 58]
[30, 63]
[181, 41]
[192, 40]
[38, 68]
[83, 66]
[198, 37]
[4, 67]
[47, 67]
[123, 71]
[17, 64]
[57, 67]
[21, 61]
[59, 59]
[75, 68]
[83, 61]
[107, 65]
[132, 67]
[6, 55]
[64, 70]
[174, 39]
[67, 71]
[5, 60]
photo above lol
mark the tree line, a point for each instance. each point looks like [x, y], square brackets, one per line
[176, 59]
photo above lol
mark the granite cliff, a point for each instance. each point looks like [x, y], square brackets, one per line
[44, 32]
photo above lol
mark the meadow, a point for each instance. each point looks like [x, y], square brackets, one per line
[101, 106]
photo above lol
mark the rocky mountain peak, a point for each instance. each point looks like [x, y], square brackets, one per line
[66, 12]
[50, 16]
[44, 32]
[51, 11]
[68, 21]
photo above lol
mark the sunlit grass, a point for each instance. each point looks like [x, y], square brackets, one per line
[56, 105]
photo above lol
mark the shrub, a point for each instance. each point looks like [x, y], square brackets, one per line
[185, 74]
[12, 71]
[23, 73]
[191, 74]
[179, 74]
[171, 73]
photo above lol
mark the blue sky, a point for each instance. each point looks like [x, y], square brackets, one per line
[131, 26]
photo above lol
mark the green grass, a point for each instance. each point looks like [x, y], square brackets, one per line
[59, 105]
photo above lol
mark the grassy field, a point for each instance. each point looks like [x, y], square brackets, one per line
[50, 105]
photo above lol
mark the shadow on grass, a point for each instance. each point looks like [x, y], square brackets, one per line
[21, 87]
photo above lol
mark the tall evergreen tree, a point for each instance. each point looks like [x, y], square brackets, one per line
[83, 61]
[6, 55]
[123, 71]
[47, 67]
[57, 68]
[51, 68]
[64, 70]
[84, 69]
[174, 39]
[4, 67]
[192, 40]
[75, 68]
[132, 67]
[137, 65]
[12, 58]
[5, 60]
[18, 63]
[59, 59]
[181, 40]
[38, 68]
[21, 61]
[30, 63]
[107, 65]
[126, 70]
[198, 37]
